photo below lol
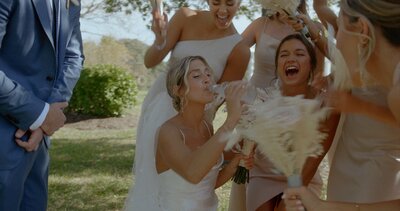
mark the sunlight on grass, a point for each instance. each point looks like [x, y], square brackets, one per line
[91, 169]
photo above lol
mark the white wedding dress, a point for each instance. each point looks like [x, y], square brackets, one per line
[177, 194]
[156, 109]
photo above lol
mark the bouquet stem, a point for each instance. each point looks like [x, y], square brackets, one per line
[294, 181]
[242, 175]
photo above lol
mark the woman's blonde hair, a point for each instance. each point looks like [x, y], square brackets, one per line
[384, 14]
[177, 78]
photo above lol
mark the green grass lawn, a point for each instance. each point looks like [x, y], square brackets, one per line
[92, 169]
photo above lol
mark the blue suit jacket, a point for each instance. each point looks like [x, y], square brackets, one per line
[34, 67]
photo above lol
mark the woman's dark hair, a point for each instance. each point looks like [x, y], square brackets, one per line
[306, 43]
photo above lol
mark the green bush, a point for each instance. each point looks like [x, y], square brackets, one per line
[103, 91]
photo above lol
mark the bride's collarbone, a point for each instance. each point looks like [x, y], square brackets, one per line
[194, 138]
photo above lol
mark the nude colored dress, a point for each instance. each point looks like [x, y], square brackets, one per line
[366, 166]
[265, 183]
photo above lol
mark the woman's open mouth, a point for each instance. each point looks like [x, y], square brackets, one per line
[291, 71]
[223, 20]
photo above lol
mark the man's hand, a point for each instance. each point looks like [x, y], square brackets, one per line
[34, 139]
[55, 118]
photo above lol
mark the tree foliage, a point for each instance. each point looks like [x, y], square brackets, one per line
[125, 53]
[248, 7]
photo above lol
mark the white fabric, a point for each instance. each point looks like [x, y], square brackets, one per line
[157, 108]
[178, 194]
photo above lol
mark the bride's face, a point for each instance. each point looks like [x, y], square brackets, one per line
[293, 63]
[199, 80]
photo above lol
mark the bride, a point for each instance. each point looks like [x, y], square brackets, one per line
[189, 155]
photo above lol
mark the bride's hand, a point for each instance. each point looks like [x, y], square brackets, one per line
[233, 95]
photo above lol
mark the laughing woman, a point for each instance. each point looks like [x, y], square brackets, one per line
[295, 65]
[365, 170]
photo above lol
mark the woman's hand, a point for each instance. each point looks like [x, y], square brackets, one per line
[159, 27]
[248, 160]
[300, 198]
[233, 95]
[312, 27]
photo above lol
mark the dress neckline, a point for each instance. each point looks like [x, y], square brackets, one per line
[208, 40]
[268, 37]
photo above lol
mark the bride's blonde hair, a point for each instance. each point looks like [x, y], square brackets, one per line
[177, 78]
[384, 14]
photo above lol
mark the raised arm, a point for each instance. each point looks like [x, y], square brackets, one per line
[249, 35]
[345, 102]
[325, 13]
[164, 44]
[236, 64]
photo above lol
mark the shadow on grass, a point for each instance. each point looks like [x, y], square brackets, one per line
[90, 174]
[106, 156]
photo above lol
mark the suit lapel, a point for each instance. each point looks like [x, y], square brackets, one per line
[42, 10]
[64, 28]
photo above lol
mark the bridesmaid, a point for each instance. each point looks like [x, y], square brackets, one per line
[295, 62]
[369, 38]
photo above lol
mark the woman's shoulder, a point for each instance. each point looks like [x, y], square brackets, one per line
[257, 23]
[186, 12]
[188, 17]
[169, 127]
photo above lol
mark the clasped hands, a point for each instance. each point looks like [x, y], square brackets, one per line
[54, 120]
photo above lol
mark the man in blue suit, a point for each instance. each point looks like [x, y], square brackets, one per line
[40, 62]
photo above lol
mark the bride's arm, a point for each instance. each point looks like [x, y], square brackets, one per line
[191, 165]
[228, 171]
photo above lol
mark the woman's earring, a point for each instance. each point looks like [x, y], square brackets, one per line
[181, 102]
[364, 42]
[362, 53]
